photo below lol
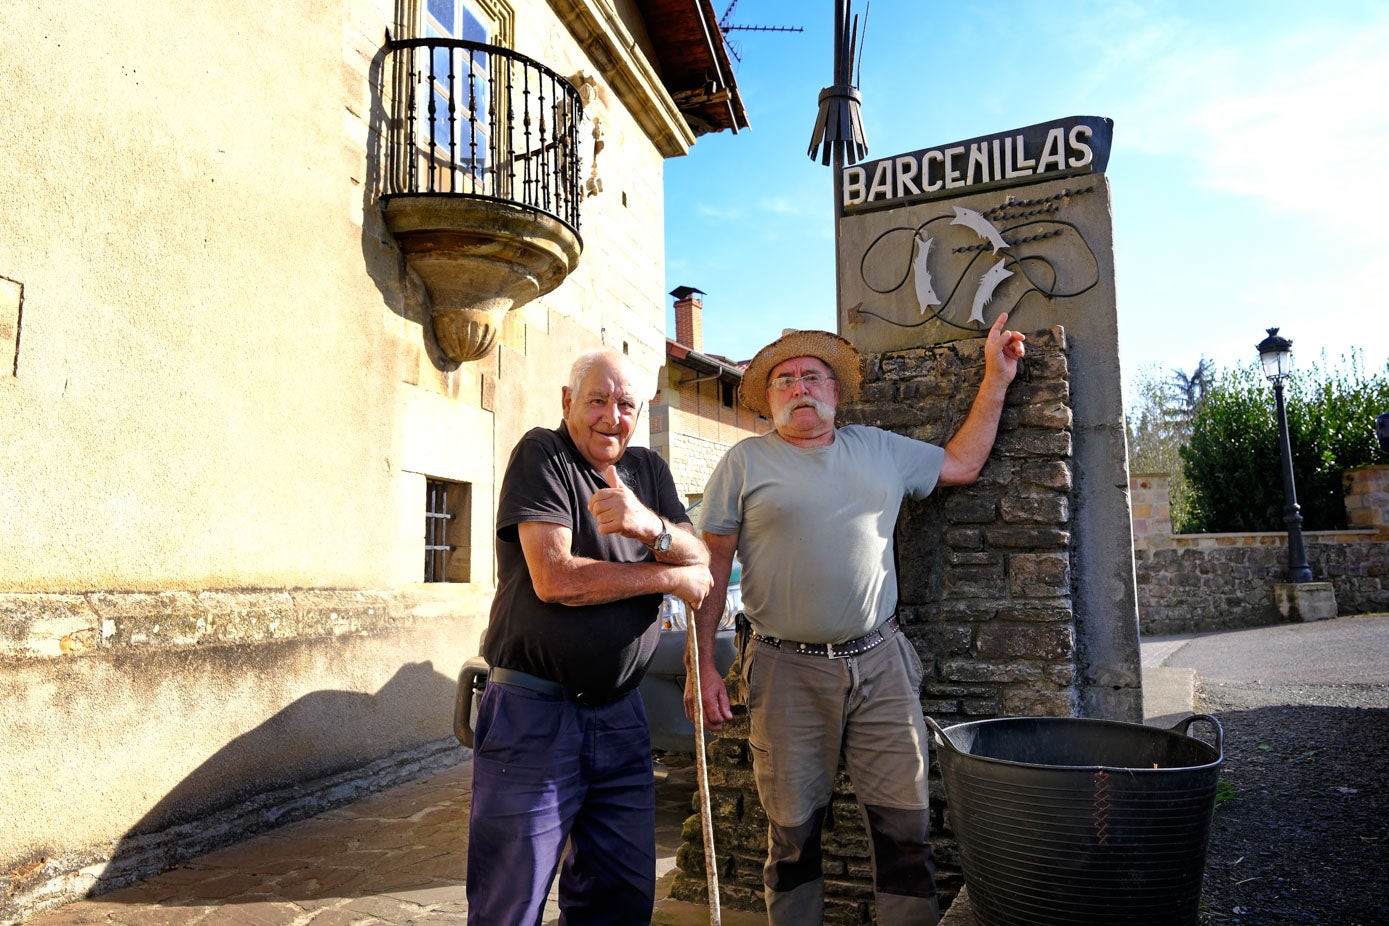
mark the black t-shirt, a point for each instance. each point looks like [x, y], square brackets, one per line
[595, 650]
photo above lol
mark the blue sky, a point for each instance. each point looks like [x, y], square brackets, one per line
[1250, 140]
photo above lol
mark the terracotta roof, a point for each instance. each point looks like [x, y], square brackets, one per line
[727, 370]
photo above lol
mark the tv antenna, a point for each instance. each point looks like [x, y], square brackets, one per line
[726, 27]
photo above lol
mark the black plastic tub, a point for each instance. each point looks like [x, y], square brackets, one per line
[1074, 822]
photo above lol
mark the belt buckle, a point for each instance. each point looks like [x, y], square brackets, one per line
[829, 651]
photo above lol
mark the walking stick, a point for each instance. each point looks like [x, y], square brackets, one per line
[701, 766]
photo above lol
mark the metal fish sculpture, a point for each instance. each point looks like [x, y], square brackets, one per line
[979, 225]
[925, 291]
[985, 293]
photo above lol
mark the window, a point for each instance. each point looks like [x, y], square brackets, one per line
[726, 394]
[460, 133]
[448, 516]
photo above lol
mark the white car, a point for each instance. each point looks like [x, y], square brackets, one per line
[663, 688]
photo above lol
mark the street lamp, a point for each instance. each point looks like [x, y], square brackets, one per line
[1276, 355]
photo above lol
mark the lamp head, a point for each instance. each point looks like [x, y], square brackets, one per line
[1276, 355]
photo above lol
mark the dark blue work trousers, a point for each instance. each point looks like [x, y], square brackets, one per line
[547, 771]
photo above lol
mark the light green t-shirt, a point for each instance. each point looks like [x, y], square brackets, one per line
[815, 527]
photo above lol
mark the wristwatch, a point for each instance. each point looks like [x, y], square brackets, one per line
[663, 540]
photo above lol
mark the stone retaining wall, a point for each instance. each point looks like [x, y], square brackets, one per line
[1204, 582]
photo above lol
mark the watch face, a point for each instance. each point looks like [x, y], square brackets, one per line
[663, 542]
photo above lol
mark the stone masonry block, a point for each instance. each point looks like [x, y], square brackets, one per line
[1049, 569]
[1026, 641]
[960, 670]
[1047, 510]
[1033, 442]
[1052, 415]
[1052, 474]
[965, 509]
[1024, 538]
[47, 625]
[1037, 392]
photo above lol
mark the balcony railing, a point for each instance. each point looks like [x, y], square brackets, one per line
[485, 122]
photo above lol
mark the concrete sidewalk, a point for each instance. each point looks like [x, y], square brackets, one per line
[394, 858]
[399, 856]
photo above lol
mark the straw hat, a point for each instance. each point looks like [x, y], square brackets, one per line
[836, 352]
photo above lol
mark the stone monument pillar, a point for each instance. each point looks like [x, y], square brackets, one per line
[932, 246]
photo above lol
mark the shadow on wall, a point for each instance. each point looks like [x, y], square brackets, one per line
[320, 752]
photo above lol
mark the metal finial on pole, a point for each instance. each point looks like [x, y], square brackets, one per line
[838, 132]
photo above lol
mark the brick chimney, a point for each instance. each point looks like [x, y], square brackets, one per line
[689, 317]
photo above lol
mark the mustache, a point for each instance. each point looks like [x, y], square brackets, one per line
[823, 409]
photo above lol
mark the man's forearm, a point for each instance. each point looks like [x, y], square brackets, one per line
[593, 581]
[706, 618]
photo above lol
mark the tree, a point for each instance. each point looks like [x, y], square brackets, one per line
[1158, 423]
[1232, 462]
[1191, 389]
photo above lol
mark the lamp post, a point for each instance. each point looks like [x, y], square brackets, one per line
[1276, 355]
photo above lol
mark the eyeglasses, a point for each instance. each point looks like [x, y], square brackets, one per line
[811, 380]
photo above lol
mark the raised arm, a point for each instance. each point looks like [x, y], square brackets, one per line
[618, 511]
[968, 450]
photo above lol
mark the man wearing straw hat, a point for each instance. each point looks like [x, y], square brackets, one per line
[811, 509]
[590, 534]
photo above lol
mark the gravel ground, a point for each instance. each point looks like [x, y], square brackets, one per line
[1301, 828]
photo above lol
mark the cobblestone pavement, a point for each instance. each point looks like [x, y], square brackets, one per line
[397, 857]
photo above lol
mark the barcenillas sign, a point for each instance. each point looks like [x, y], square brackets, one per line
[1046, 151]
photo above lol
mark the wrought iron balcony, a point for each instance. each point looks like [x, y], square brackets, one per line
[482, 181]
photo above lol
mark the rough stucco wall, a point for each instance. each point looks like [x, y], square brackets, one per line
[214, 445]
[199, 400]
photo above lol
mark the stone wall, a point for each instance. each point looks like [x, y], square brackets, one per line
[1204, 582]
[986, 597]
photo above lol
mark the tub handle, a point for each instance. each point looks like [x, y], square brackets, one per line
[941, 736]
[1182, 726]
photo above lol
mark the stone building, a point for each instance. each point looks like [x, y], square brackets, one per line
[280, 287]
[696, 415]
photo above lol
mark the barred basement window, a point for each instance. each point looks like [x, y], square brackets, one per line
[447, 531]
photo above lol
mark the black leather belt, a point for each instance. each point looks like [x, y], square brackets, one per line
[523, 680]
[834, 650]
[553, 689]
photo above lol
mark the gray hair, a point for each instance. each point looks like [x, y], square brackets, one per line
[585, 362]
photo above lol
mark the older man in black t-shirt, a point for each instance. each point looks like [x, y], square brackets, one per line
[590, 535]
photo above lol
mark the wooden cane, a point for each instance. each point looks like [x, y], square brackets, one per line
[702, 769]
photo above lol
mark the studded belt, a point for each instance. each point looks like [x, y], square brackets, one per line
[834, 650]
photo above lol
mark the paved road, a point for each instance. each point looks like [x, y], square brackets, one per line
[1336, 663]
